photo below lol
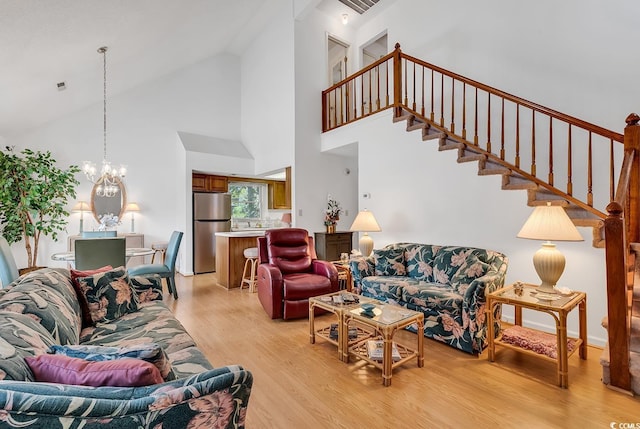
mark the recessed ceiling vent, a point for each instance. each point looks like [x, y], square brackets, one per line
[360, 6]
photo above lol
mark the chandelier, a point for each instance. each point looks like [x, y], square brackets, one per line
[108, 182]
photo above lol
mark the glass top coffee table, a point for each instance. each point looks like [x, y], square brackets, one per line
[333, 333]
[385, 321]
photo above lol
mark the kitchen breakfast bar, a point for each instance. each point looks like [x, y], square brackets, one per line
[229, 255]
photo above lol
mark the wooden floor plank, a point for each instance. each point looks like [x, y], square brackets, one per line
[303, 385]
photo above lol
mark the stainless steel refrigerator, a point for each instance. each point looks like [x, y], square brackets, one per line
[211, 214]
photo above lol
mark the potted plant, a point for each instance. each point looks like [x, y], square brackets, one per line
[332, 214]
[34, 194]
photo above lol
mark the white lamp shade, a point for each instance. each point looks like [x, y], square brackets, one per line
[133, 207]
[549, 223]
[365, 222]
[81, 206]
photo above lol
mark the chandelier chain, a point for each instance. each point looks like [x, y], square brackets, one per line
[104, 99]
[110, 178]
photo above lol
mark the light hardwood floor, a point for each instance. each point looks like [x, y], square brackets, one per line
[303, 385]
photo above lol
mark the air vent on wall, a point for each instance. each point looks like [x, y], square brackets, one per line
[360, 6]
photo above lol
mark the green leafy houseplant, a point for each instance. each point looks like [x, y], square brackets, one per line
[33, 196]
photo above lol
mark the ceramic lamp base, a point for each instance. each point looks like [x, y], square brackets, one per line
[549, 264]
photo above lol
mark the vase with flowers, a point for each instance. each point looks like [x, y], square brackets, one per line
[108, 221]
[332, 214]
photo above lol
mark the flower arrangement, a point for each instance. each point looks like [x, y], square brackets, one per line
[108, 220]
[332, 213]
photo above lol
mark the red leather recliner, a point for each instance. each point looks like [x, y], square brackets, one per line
[289, 273]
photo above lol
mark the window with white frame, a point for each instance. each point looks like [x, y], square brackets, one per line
[248, 200]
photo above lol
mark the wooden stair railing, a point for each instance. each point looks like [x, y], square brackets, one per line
[525, 142]
[621, 230]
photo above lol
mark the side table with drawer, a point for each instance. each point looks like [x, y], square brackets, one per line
[329, 246]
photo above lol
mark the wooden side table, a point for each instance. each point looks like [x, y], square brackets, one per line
[344, 275]
[330, 246]
[558, 306]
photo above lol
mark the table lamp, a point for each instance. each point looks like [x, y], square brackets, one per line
[132, 207]
[286, 219]
[365, 222]
[549, 223]
[81, 206]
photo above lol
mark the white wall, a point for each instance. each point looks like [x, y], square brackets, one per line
[317, 174]
[267, 94]
[142, 133]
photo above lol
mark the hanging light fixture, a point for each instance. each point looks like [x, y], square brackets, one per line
[110, 177]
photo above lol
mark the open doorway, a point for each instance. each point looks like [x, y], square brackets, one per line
[336, 60]
[372, 52]
[337, 71]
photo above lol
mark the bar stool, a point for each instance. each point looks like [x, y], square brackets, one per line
[251, 263]
[160, 247]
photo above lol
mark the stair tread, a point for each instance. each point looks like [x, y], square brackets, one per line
[435, 135]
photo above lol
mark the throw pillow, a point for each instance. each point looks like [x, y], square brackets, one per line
[109, 295]
[80, 372]
[389, 262]
[149, 352]
[147, 287]
[82, 299]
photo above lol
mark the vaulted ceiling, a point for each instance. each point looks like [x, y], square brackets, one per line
[46, 42]
[43, 43]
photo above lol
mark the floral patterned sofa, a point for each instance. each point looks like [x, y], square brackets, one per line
[41, 309]
[447, 283]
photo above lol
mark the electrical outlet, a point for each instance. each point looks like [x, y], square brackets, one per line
[299, 212]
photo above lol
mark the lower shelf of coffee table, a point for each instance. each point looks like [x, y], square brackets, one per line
[359, 350]
[325, 334]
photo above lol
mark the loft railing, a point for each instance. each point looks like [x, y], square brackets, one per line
[542, 145]
[574, 160]
[359, 95]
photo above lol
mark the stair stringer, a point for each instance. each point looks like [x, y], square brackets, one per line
[513, 178]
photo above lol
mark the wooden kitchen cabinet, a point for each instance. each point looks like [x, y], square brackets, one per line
[330, 246]
[278, 195]
[209, 183]
[280, 192]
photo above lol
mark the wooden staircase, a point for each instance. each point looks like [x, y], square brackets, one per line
[512, 177]
[531, 147]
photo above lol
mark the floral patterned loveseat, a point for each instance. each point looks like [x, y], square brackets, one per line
[447, 283]
[41, 309]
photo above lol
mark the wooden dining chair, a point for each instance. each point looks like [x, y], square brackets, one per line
[98, 252]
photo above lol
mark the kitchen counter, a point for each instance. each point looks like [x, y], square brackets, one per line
[230, 257]
[241, 233]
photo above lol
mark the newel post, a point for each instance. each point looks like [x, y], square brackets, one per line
[397, 81]
[616, 252]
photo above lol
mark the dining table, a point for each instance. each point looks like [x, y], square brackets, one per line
[130, 252]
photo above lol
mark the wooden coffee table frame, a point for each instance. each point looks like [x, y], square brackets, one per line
[342, 342]
[385, 332]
